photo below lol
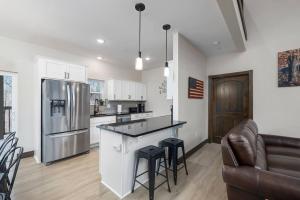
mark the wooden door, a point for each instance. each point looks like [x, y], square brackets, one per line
[230, 102]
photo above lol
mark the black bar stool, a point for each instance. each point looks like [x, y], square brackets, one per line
[173, 144]
[151, 154]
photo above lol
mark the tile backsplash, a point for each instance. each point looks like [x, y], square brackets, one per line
[112, 106]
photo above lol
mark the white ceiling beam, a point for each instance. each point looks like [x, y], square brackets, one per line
[232, 17]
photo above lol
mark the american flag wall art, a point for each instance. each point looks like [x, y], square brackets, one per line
[196, 89]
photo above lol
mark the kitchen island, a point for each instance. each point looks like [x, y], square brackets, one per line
[119, 142]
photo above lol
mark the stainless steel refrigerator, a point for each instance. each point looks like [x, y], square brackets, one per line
[65, 119]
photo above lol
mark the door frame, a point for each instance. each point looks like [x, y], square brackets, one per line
[15, 99]
[249, 73]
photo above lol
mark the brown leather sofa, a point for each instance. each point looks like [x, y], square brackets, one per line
[260, 166]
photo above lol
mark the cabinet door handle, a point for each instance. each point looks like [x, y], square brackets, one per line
[114, 96]
[142, 97]
[65, 74]
[68, 75]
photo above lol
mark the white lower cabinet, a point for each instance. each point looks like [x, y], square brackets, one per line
[94, 131]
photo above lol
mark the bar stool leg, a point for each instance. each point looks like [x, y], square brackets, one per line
[158, 166]
[174, 162]
[167, 176]
[184, 160]
[135, 173]
[170, 156]
[151, 173]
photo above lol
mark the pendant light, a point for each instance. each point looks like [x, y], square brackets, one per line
[166, 27]
[139, 61]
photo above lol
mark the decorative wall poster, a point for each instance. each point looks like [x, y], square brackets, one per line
[289, 68]
[196, 88]
[163, 87]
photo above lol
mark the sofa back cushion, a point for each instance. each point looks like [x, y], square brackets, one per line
[261, 157]
[243, 140]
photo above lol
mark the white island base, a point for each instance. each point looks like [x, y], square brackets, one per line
[117, 158]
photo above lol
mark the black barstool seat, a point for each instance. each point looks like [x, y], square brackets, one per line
[173, 144]
[151, 151]
[151, 154]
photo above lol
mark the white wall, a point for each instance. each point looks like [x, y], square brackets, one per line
[189, 62]
[156, 102]
[276, 110]
[17, 56]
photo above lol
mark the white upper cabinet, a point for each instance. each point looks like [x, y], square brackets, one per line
[140, 92]
[132, 91]
[76, 73]
[114, 90]
[62, 71]
[55, 70]
[125, 91]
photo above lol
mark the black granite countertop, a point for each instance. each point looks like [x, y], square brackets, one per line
[138, 128]
[115, 114]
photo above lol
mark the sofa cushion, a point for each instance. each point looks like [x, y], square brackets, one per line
[251, 125]
[281, 150]
[261, 159]
[283, 162]
[244, 142]
[287, 172]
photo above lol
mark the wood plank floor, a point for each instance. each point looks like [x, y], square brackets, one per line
[78, 179]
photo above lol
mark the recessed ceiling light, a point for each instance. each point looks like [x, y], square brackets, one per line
[216, 43]
[99, 58]
[100, 41]
[147, 58]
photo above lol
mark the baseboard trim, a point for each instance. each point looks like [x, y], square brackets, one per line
[27, 154]
[95, 145]
[194, 150]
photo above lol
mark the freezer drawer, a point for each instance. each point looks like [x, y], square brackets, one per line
[58, 146]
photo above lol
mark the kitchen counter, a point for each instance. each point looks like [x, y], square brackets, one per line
[115, 114]
[141, 127]
[119, 143]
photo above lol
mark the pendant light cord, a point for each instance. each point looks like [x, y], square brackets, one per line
[140, 24]
[166, 46]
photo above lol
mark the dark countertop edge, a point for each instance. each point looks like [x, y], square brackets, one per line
[146, 133]
[115, 114]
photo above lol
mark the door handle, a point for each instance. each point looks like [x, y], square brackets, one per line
[68, 134]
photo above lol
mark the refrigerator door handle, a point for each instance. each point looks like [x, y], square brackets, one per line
[73, 107]
[69, 103]
[68, 134]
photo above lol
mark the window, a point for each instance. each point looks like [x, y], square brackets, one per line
[96, 90]
[8, 102]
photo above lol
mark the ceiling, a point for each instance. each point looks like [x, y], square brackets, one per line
[74, 26]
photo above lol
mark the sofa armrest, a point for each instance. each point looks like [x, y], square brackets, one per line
[262, 183]
[281, 141]
[243, 177]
